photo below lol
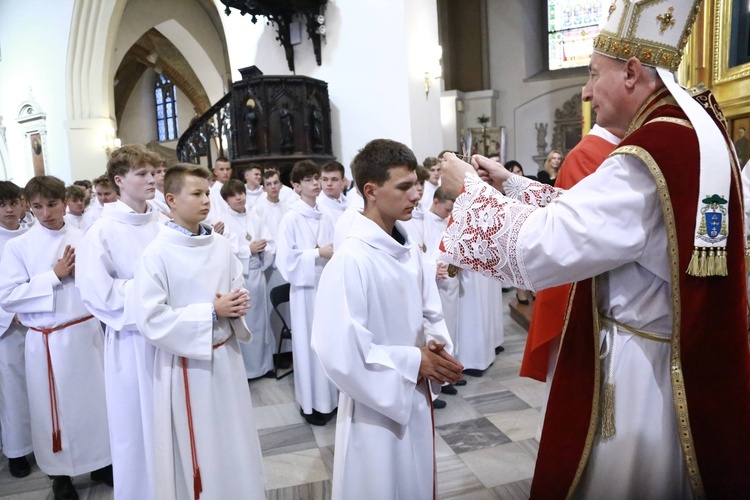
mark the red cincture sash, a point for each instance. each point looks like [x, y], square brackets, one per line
[55, 414]
[197, 483]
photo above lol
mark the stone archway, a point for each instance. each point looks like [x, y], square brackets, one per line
[90, 68]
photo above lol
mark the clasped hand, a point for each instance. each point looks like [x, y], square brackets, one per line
[439, 366]
[232, 304]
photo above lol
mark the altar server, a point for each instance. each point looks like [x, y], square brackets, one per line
[64, 343]
[386, 346]
[331, 199]
[305, 245]
[189, 284]
[110, 248]
[253, 246]
[15, 421]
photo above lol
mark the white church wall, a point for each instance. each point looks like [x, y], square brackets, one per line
[138, 122]
[34, 45]
[188, 27]
[516, 53]
[371, 85]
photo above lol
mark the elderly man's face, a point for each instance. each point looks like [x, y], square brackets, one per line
[606, 91]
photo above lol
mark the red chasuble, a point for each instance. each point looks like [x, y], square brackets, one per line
[710, 359]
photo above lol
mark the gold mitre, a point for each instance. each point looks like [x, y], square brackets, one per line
[654, 31]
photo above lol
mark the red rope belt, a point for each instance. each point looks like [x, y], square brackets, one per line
[197, 483]
[432, 416]
[55, 414]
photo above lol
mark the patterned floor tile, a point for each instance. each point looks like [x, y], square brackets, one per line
[472, 435]
[496, 402]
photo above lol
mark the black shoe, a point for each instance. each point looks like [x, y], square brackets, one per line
[19, 467]
[439, 404]
[460, 383]
[103, 475]
[62, 487]
[326, 416]
[499, 349]
[313, 418]
[473, 372]
[505, 290]
[449, 389]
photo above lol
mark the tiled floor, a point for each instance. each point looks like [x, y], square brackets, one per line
[485, 439]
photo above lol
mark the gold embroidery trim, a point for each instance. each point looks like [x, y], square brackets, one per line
[594, 419]
[641, 115]
[669, 119]
[678, 380]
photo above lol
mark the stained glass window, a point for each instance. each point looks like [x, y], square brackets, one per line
[166, 108]
[572, 27]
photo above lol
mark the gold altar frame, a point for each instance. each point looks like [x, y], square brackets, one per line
[731, 86]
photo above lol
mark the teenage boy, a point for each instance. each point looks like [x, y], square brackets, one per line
[331, 200]
[106, 192]
[254, 248]
[110, 248]
[158, 202]
[386, 347]
[222, 172]
[191, 307]
[15, 421]
[253, 175]
[270, 209]
[78, 200]
[415, 225]
[64, 343]
[432, 183]
[305, 245]
[27, 217]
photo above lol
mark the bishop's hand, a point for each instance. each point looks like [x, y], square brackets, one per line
[490, 171]
[454, 172]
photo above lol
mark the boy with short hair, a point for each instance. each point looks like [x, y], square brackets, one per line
[253, 246]
[78, 200]
[110, 248]
[270, 209]
[205, 437]
[64, 343]
[223, 172]
[386, 347]
[15, 421]
[106, 192]
[253, 175]
[332, 200]
[304, 248]
[415, 225]
[432, 183]
[158, 202]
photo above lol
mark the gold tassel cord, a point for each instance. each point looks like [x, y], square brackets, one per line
[710, 262]
[608, 411]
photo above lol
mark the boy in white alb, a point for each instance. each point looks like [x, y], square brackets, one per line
[105, 193]
[305, 244]
[64, 343]
[15, 421]
[253, 246]
[158, 202]
[331, 200]
[270, 210]
[433, 166]
[78, 200]
[386, 347]
[253, 175]
[222, 172]
[188, 282]
[110, 248]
